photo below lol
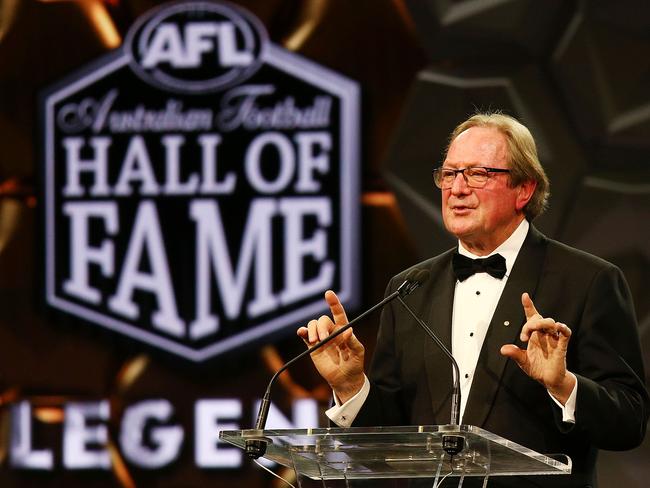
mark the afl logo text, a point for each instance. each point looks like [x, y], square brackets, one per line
[196, 47]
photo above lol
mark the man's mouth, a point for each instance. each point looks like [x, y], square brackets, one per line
[461, 210]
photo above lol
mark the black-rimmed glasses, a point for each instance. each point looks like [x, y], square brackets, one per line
[475, 176]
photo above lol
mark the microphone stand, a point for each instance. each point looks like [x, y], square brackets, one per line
[451, 444]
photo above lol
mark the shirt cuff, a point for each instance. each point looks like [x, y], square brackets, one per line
[568, 409]
[344, 414]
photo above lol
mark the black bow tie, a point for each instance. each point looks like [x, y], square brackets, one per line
[465, 267]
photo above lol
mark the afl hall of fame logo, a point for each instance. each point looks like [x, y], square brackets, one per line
[201, 184]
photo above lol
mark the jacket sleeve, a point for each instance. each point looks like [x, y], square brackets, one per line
[612, 404]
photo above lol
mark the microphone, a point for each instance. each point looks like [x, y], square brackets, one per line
[256, 447]
[451, 444]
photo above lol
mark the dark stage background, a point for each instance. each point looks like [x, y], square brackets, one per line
[577, 73]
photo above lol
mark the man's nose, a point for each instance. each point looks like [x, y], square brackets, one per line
[460, 186]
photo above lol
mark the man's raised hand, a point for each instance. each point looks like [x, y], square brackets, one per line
[544, 359]
[340, 362]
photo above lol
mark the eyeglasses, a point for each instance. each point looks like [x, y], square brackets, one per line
[475, 176]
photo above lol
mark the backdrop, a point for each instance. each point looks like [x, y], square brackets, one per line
[575, 72]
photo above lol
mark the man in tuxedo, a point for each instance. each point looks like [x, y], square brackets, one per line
[545, 335]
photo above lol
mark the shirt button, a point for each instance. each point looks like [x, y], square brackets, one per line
[471, 334]
[478, 292]
[466, 375]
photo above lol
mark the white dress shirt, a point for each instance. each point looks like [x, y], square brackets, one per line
[475, 300]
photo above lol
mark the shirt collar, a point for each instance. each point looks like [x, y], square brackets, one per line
[509, 248]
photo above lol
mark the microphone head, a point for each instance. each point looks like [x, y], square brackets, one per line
[414, 279]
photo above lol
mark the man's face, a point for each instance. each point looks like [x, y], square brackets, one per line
[482, 218]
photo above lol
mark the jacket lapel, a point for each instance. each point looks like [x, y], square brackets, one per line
[438, 317]
[504, 328]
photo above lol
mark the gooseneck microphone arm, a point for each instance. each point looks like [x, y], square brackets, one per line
[455, 398]
[256, 447]
[452, 444]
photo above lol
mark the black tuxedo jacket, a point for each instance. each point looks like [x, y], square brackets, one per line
[411, 379]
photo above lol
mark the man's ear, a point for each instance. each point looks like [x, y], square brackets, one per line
[524, 193]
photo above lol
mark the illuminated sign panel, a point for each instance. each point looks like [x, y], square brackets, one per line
[200, 184]
[148, 435]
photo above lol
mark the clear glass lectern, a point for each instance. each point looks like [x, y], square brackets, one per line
[362, 453]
